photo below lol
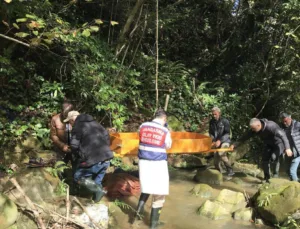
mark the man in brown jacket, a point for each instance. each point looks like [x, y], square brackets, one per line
[60, 133]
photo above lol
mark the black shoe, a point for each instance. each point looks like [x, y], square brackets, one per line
[154, 218]
[91, 185]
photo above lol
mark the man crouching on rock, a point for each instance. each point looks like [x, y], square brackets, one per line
[90, 143]
[154, 138]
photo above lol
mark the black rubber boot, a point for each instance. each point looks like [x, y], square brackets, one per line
[154, 218]
[93, 187]
[140, 208]
[141, 205]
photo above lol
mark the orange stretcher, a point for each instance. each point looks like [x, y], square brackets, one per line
[126, 144]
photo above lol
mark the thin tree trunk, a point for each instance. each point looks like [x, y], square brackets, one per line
[157, 59]
[128, 24]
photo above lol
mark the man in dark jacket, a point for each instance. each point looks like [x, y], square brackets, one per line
[90, 142]
[292, 130]
[274, 139]
[219, 131]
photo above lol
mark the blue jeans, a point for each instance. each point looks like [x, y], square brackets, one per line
[294, 163]
[96, 172]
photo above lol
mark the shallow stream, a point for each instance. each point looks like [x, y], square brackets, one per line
[180, 209]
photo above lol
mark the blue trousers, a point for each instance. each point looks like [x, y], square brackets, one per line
[96, 172]
[294, 163]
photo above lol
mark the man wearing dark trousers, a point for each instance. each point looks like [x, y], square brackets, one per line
[219, 131]
[275, 140]
[292, 130]
[90, 142]
[155, 138]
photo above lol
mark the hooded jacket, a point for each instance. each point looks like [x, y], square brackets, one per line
[271, 134]
[90, 141]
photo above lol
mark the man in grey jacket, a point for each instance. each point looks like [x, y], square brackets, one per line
[219, 131]
[275, 140]
[292, 130]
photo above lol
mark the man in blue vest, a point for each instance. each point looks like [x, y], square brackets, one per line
[155, 138]
[292, 130]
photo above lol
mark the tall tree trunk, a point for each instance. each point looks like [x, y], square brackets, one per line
[126, 29]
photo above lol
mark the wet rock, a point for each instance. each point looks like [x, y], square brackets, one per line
[186, 161]
[214, 210]
[243, 214]
[277, 200]
[233, 201]
[25, 222]
[8, 212]
[38, 184]
[99, 214]
[41, 187]
[202, 190]
[209, 176]
[249, 169]
[237, 180]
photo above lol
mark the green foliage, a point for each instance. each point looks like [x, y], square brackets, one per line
[61, 188]
[117, 162]
[58, 169]
[265, 201]
[123, 205]
[290, 223]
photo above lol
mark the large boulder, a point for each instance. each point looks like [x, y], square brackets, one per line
[233, 201]
[243, 214]
[276, 200]
[249, 169]
[226, 203]
[202, 190]
[41, 187]
[214, 210]
[8, 212]
[209, 176]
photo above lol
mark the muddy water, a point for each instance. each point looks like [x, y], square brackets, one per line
[180, 208]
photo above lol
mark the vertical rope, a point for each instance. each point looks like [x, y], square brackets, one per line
[156, 70]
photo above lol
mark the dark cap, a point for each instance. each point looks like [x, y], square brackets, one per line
[160, 113]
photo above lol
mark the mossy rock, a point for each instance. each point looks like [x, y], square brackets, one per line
[8, 212]
[214, 210]
[202, 190]
[237, 180]
[277, 200]
[209, 176]
[249, 169]
[38, 184]
[233, 201]
[243, 214]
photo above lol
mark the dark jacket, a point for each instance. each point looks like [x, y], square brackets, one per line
[293, 135]
[219, 130]
[271, 134]
[90, 141]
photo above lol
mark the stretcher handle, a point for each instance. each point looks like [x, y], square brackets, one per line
[219, 150]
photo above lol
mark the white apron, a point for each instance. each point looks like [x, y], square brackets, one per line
[154, 177]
